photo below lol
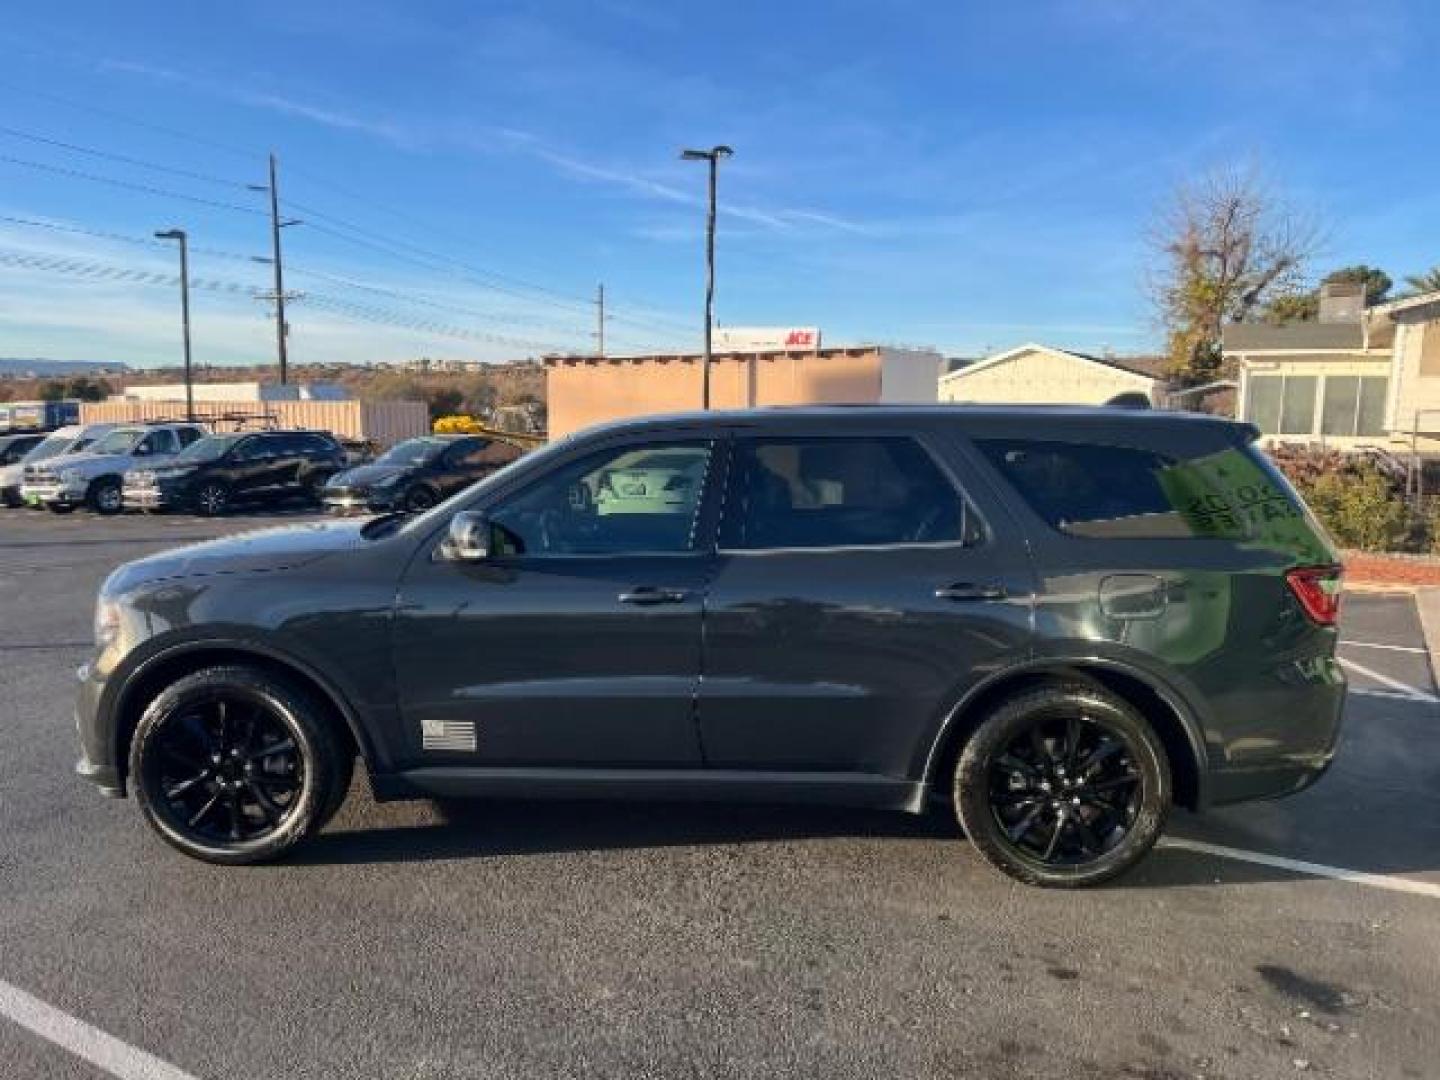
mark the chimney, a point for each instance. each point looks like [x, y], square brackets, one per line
[1342, 302]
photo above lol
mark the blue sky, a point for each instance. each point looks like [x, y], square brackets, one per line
[965, 175]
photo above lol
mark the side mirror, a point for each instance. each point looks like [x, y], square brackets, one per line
[469, 537]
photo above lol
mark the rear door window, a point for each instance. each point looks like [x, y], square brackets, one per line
[838, 492]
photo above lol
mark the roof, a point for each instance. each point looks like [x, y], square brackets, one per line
[1260, 337]
[831, 417]
[728, 354]
[1019, 350]
[1405, 303]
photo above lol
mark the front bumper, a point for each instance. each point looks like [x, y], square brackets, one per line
[358, 502]
[52, 494]
[151, 498]
[97, 758]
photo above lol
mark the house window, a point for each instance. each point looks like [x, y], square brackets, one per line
[1354, 405]
[1370, 420]
[1282, 404]
[1262, 402]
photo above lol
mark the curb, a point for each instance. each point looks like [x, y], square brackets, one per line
[1427, 606]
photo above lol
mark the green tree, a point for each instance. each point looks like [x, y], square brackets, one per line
[1429, 281]
[1305, 306]
[1226, 247]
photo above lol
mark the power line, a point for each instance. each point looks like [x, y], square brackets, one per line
[485, 276]
[111, 114]
[129, 185]
[90, 270]
[122, 158]
[349, 283]
[124, 238]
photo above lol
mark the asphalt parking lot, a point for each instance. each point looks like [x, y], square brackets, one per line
[420, 940]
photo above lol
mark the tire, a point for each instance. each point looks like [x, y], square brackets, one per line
[1042, 827]
[233, 765]
[212, 498]
[104, 496]
[418, 499]
[14, 502]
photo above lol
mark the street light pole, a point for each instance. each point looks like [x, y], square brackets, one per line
[712, 156]
[179, 235]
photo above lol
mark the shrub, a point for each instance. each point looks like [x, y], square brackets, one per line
[1359, 509]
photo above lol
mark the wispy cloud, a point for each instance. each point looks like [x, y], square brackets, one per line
[411, 136]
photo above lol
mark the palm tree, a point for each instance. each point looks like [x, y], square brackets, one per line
[1426, 282]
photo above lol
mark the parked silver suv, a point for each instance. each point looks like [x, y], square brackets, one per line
[94, 478]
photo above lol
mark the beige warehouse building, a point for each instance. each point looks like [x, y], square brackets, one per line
[585, 390]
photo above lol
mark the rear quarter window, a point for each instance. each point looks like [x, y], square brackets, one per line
[1103, 491]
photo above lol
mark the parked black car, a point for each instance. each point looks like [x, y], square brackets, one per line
[218, 471]
[12, 449]
[416, 474]
[1058, 621]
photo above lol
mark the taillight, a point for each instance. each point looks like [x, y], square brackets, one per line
[1318, 590]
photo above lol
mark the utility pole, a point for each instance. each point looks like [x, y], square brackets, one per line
[179, 235]
[281, 330]
[600, 322]
[713, 156]
[279, 296]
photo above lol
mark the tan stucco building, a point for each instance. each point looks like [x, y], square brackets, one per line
[585, 390]
[1041, 375]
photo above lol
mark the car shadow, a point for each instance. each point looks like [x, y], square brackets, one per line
[477, 829]
[481, 829]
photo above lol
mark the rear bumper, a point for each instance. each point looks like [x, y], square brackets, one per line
[1292, 751]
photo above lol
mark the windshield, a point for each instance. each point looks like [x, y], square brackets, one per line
[52, 445]
[119, 441]
[413, 452]
[210, 448]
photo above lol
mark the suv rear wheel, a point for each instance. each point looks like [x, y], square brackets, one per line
[1063, 786]
[233, 765]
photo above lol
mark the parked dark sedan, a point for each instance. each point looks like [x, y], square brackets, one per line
[215, 473]
[416, 474]
[1057, 621]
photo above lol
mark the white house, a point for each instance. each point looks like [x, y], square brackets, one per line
[1034, 374]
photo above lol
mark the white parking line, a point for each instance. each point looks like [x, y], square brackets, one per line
[1378, 645]
[1299, 866]
[1388, 695]
[1394, 684]
[105, 1052]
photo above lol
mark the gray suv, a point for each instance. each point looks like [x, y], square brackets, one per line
[1057, 622]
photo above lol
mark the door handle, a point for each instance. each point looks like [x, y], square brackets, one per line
[649, 594]
[965, 590]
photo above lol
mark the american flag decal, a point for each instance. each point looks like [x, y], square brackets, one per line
[447, 735]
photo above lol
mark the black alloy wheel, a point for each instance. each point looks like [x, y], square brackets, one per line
[418, 499]
[1066, 785]
[212, 498]
[232, 765]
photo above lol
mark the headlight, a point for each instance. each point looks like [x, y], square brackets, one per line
[107, 622]
[389, 481]
[71, 476]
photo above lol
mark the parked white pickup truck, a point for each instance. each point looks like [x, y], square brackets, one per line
[72, 439]
[94, 478]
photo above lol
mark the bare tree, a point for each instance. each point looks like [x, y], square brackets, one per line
[1226, 247]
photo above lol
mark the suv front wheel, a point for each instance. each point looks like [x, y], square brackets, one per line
[105, 496]
[1064, 785]
[233, 765]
